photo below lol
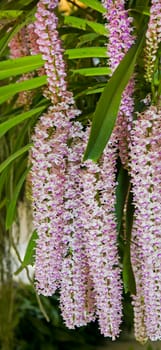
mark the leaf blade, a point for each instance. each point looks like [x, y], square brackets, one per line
[14, 156]
[29, 254]
[95, 5]
[19, 66]
[93, 71]
[7, 125]
[8, 91]
[12, 205]
[108, 105]
[86, 52]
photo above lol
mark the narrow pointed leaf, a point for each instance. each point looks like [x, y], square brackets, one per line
[86, 38]
[7, 125]
[30, 252]
[13, 202]
[10, 14]
[95, 5]
[127, 273]
[86, 52]
[75, 22]
[121, 194]
[14, 156]
[90, 91]
[97, 27]
[109, 102]
[19, 66]
[82, 24]
[11, 89]
[91, 72]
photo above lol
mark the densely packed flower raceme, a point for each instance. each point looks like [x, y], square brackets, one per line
[19, 44]
[47, 177]
[120, 39]
[146, 235]
[101, 240]
[52, 52]
[93, 287]
[23, 44]
[57, 126]
[72, 203]
[76, 294]
[153, 38]
[19, 47]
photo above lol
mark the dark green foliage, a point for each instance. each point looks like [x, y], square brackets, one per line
[34, 332]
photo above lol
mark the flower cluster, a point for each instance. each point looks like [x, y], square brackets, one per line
[91, 263]
[51, 49]
[23, 44]
[146, 237]
[153, 38]
[19, 44]
[77, 297]
[101, 240]
[120, 39]
[73, 205]
[47, 176]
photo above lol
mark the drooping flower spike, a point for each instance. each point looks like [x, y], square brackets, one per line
[80, 298]
[153, 38]
[49, 155]
[146, 235]
[120, 39]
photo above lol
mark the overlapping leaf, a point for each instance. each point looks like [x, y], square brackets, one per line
[108, 105]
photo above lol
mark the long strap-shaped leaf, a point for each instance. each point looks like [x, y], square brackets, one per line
[8, 124]
[12, 204]
[109, 102]
[14, 156]
[9, 90]
[86, 52]
[9, 68]
[95, 5]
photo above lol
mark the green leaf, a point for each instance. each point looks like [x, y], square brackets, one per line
[90, 91]
[15, 5]
[121, 194]
[10, 14]
[19, 66]
[7, 125]
[127, 273]
[97, 27]
[91, 72]
[14, 156]
[30, 252]
[109, 102]
[75, 22]
[82, 24]
[12, 205]
[86, 38]
[95, 5]
[86, 52]
[8, 91]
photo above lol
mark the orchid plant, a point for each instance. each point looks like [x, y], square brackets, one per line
[94, 160]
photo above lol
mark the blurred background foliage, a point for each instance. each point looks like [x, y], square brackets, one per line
[81, 26]
[23, 326]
